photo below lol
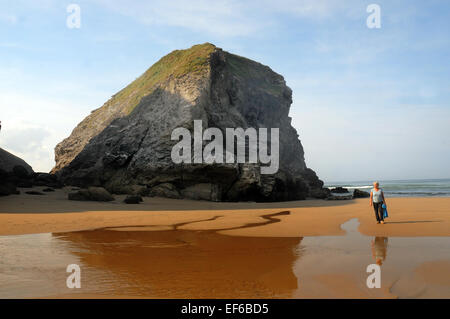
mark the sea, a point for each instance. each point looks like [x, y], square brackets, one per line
[402, 188]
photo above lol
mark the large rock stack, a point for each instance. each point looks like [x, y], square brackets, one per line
[125, 145]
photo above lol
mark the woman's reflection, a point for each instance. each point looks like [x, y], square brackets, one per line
[379, 249]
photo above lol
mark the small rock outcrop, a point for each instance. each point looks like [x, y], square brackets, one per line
[34, 193]
[126, 144]
[15, 172]
[98, 194]
[132, 199]
[360, 194]
[339, 197]
[339, 190]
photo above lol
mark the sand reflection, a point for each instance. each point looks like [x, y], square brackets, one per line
[168, 262]
[185, 264]
[379, 249]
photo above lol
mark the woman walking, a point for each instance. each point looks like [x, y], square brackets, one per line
[377, 200]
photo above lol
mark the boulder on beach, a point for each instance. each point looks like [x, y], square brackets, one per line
[132, 199]
[34, 193]
[339, 197]
[320, 193]
[128, 140]
[360, 194]
[91, 194]
[339, 190]
[164, 190]
[46, 179]
[15, 172]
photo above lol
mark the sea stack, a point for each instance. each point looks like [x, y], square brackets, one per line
[125, 145]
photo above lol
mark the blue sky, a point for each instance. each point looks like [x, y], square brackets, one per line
[367, 103]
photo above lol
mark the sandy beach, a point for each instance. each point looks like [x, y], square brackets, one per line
[28, 214]
[200, 249]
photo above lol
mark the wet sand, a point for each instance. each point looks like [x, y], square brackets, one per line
[183, 249]
[205, 264]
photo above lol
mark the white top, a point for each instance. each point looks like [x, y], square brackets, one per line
[377, 196]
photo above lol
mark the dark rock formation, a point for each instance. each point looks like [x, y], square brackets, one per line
[339, 190]
[164, 190]
[25, 183]
[339, 197]
[82, 195]
[321, 193]
[34, 193]
[91, 194]
[360, 194]
[125, 146]
[7, 188]
[15, 172]
[9, 161]
[21, 172]
[132, 199]
[46, 179]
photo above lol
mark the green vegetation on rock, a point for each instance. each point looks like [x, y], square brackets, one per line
[178, 63]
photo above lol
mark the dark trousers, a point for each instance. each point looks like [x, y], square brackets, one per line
[378, 211]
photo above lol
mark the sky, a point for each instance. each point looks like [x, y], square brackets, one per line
[368, 103]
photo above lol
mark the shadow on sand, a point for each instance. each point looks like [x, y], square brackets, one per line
[414, 222]
[57, 202]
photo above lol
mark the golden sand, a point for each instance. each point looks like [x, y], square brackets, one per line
[246, 250]
[26, 214]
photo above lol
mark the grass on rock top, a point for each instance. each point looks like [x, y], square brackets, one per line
[176, 64]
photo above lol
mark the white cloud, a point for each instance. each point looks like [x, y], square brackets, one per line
[317, 9]
[227, 17]
[33, 125]
[223, 18]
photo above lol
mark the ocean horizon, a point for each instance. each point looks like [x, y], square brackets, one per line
[401, 188]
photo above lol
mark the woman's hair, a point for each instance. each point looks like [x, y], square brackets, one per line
[376, 183]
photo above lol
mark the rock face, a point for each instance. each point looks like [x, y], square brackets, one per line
[132, 199]
[8, 161]
[339, 190]
[14, 172]
[360, 194]
[339, 197]
[98, 194]
[127, 142]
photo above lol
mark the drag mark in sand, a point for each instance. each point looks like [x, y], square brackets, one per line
[268, 219]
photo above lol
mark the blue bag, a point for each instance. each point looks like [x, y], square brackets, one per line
[385, 213]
